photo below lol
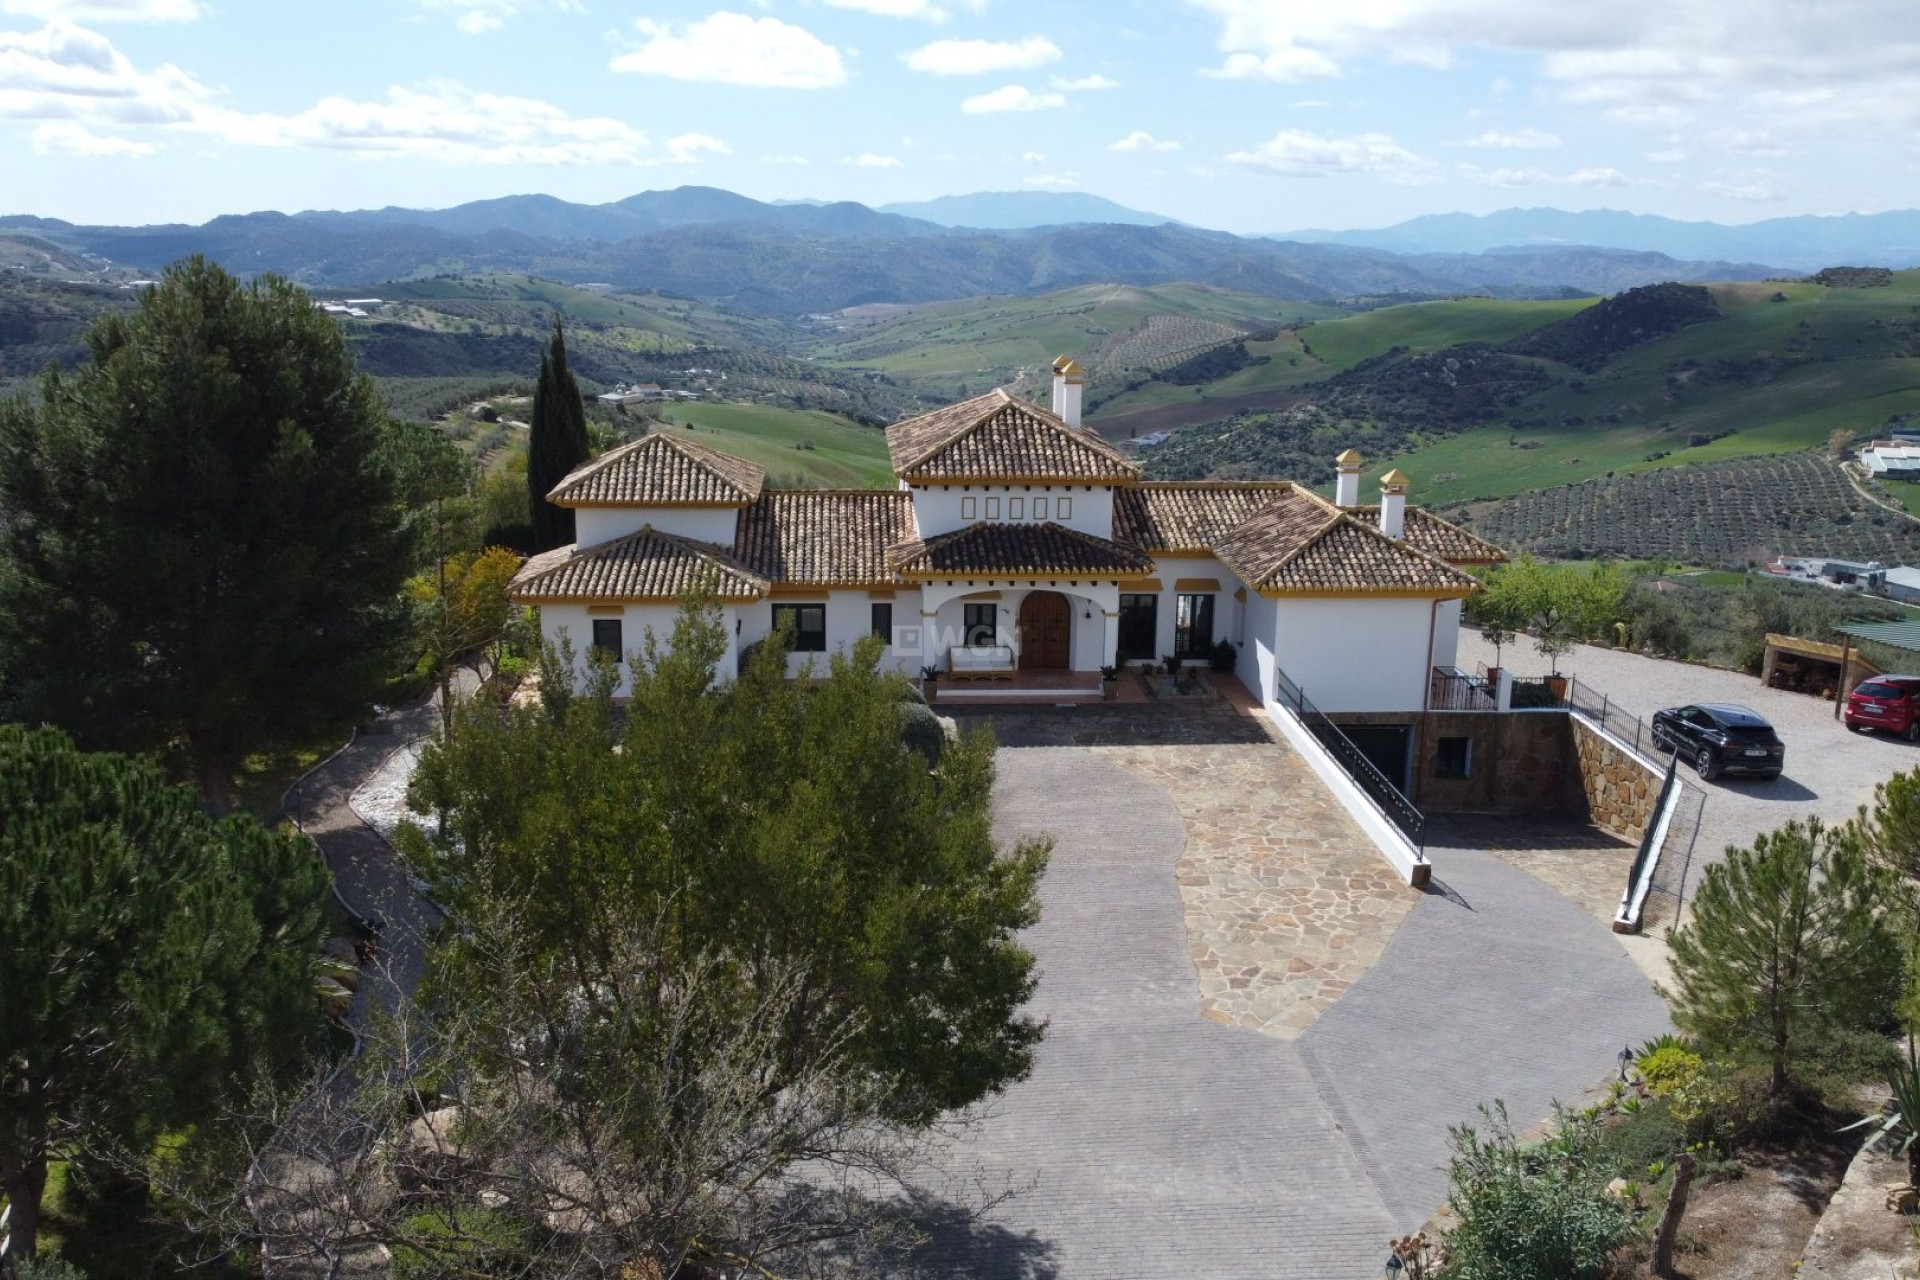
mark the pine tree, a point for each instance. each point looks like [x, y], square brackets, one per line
[557, 445]
[1785, 941]
[204, 544]
[156, 960]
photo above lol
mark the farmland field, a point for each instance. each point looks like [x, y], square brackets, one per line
[843, 454]
[1429, 326]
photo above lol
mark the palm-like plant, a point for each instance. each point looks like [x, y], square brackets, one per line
[1901, 1125]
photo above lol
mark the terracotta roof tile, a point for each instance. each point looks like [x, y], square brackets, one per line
[1188, 516]
[644, 566]
[995, 436]
[1301, 546]
[822, 537]
[660, 469]
[1020, 550]
[1429, 533]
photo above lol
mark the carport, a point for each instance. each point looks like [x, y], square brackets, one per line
[1892, 635]
[1814, 667]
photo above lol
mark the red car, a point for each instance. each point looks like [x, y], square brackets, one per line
[1886, 702]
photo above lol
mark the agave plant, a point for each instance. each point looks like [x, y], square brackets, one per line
[1902, 1124]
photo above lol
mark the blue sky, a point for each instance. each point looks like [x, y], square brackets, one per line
[1249, 115]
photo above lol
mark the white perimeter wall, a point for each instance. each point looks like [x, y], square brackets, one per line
[1355, 655]
[937, 508]
[595, 525]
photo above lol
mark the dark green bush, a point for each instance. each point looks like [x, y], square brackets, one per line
[1632, 1142]
[920, 729]
[1223, 657]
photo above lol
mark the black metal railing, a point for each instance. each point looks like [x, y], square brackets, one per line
[1365, 774]
[1622, 724]
[1452, 689]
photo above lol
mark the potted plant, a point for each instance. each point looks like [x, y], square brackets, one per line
[1170, 664]
[1223, 657]
[929, 682]
[1109, 683]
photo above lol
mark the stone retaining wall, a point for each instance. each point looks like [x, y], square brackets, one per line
[1620, 789]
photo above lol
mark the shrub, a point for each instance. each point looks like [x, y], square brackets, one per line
[466, 1242]
[46, 1269]
[1535, 1211]
[1223, 657]
[1667, 1068]
[920, 729]
[1648, 1136]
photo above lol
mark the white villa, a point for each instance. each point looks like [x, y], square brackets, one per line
[1018, 541]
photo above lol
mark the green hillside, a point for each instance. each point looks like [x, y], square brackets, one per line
[977, 343]
[796, 448]
[1429, 326]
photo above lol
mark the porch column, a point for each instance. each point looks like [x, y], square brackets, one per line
[1110, 637]
[929, 638]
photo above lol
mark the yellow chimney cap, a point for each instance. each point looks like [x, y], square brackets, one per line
[1351, 460]
[1395, 481]
[1068, 367]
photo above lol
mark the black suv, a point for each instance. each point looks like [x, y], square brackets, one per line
[1718, 739]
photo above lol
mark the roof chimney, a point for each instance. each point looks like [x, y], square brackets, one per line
[1393, 504]
[1346, 490]
[1068, 380]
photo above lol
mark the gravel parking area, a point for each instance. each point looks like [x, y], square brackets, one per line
[1830, 772]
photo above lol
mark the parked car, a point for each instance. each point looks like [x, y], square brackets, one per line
[1716, 738]
[1891, 703]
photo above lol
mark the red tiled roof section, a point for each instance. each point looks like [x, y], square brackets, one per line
[1301, 546]
[644, 566]
[660, 469]
[821, 538]
[1427, 532]
[996, 437]
[1021, 551]
[1190, 517]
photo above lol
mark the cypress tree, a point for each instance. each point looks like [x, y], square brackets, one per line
[557, 445]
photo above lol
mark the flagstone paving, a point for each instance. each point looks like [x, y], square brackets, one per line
[1287, 901]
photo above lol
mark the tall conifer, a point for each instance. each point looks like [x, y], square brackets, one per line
[558, 443]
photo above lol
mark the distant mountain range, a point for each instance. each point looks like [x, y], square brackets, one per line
[1022, 210]
[1803, 243]
[801, 257]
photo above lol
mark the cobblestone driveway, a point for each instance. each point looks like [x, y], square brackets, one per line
[1158, 1141]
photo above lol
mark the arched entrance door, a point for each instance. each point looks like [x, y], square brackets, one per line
[1046, 621]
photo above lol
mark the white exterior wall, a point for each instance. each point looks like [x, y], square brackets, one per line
[937, 508]
[1446, 635]
[595, 525]
[576, 624]
[1086, 636]
[849, 620]
[1365, 654]
[1259, 626]
[1227, 611]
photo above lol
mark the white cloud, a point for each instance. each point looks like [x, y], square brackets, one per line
[1598, 177]
[1084, 83]
[105, 10]
[894, 8]
[1753, 191]
[732, 48]
[476, 17]
[1141, 140]
[1511, 140]
[1296, 153]
[1052, 181]
[1811, 70]
[868, 160]
[1671, 155]
[689, 147]
[980, 57]
[1012, 97]
[794, 160]
[1507, 177]
[1033, 157]
[70, 137]
[75, 78]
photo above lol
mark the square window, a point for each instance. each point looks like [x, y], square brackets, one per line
[806, 626]
[1039, 508]
[993, 508]
[1016, 508]
[606, 639]
[1453, 758]
[1063, 509]
[883, 620]
[969, 508]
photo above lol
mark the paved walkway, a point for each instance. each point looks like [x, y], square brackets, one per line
[1159, 1142]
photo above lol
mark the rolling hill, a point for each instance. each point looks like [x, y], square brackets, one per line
[1020, 210]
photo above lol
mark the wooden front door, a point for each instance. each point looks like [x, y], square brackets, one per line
[1046, 621]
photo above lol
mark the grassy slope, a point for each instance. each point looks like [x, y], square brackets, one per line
[1858, 388]
[1428, 326]
[990, 338]
[845, 455]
